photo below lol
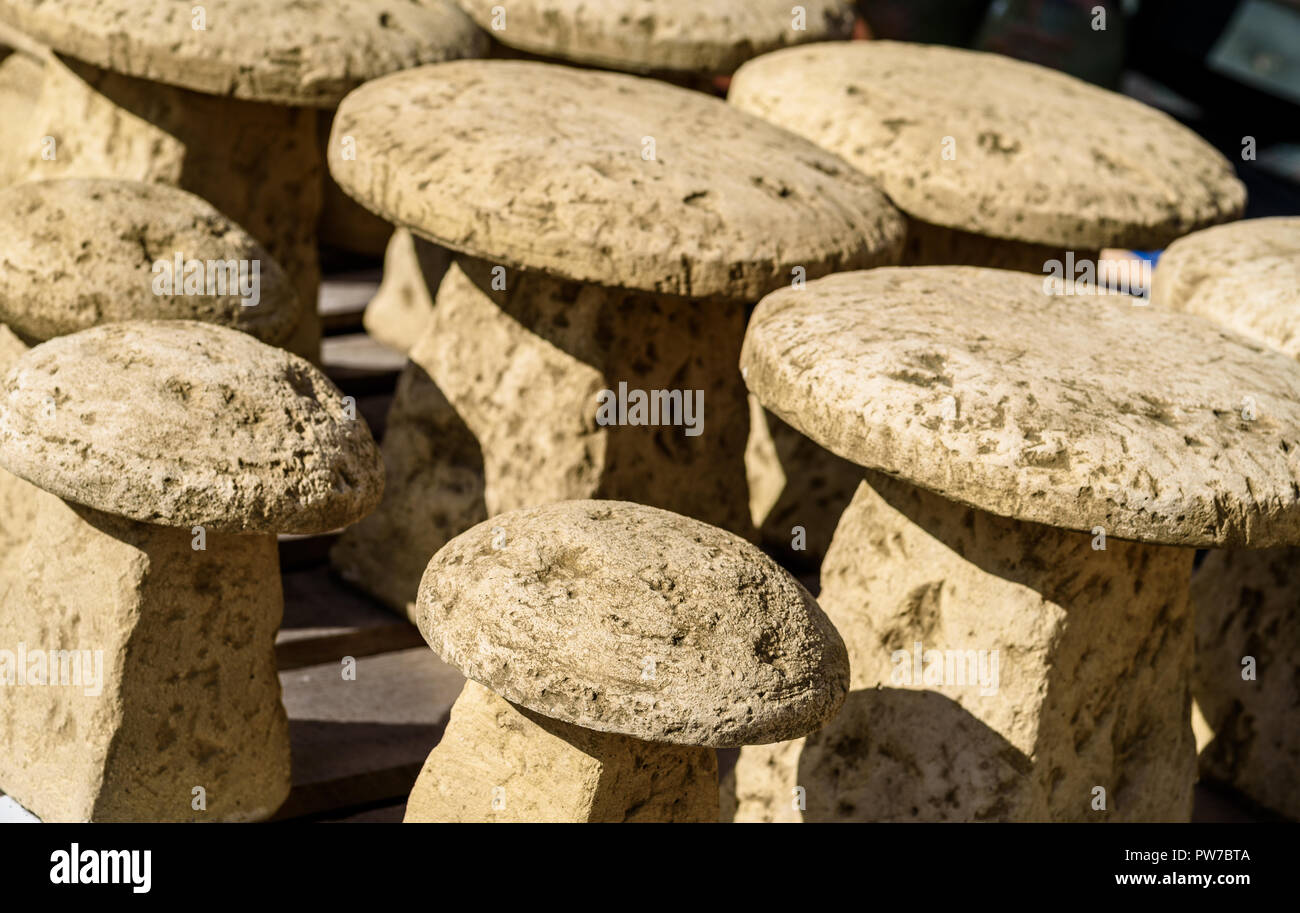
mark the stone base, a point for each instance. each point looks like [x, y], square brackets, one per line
[522, 369]
[500, 763]
[1093, 650]
[400, 313]
[794, 482]
[21, 76]
[933, 245]
[189, 695]
[258, 164]
[1248, 604]
[345, 223]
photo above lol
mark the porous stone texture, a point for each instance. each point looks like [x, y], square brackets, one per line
[309, 52]
[606, 178]
[16, 505]
[523, 369]
[1245, 276]
[933, 245]
[1247, 604]
[1092, 688]
[794, 482]
[258, 164]
[20, 90]
[183, 423]
[433, 491]
[991, 145]
[1054, 409]
[189, 694]
[80, 252]
[501, 763]
[643, 36]
[628, 619]
[400, 313]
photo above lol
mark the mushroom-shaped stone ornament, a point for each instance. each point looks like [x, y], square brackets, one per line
[611, 647]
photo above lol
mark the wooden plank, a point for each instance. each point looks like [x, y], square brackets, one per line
[361, 743]
[343, 299]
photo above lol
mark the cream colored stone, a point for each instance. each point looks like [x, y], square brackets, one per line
[183, 423]
[552, 169]
[1071, 411]
[400, 313]
[651, 35]
[629, 619]
[1245, 276]
[797, 489]
[81, 252]
[1022, 164]
[258, 164]
[20, 90]
[189, 696]
[499, 762]
[524, 370]
[309, 52]
[1093, 651]
[1248, 606]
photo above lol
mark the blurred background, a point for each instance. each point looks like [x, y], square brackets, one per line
[1228, 69]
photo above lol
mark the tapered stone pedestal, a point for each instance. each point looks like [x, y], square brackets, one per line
[937, 245]
[524, 369]
[189, 696]
[498, 762]
[1062, 669]
[257, 163]
[1247, 681]
[400, 313]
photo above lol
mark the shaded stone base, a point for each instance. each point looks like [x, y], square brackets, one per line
[345, 223]
[258, 164]
[933, 245]
[1247, 604]
[500, 763]
[400, 313]
[794, 482]
[1093, 652]
[522, 369]
[189, 695]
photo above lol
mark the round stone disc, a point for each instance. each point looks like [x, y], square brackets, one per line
[624, 618]
[663, 35]
[1244, 275]
[606, 178]
[1077, 411]
[305, 53]
[999, 147]
[187, 424]
[81, 252]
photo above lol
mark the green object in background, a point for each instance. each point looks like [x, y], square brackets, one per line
[1084, 38]
[1261, 47]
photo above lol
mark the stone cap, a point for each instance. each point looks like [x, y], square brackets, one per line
[308, 53]
[81, 252]
[186, 424]
[1072, 411]
[542, 167]
[1244, 275]
[1036, 155]
[624, 618]
[669, 35]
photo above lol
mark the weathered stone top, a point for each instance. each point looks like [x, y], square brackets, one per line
[549, 168]
[1035, 155]
[305, 53]
[630, 619]
[1076, 412]
[81, 252]
[182, 423]
[1245, 275]
[664, 35]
